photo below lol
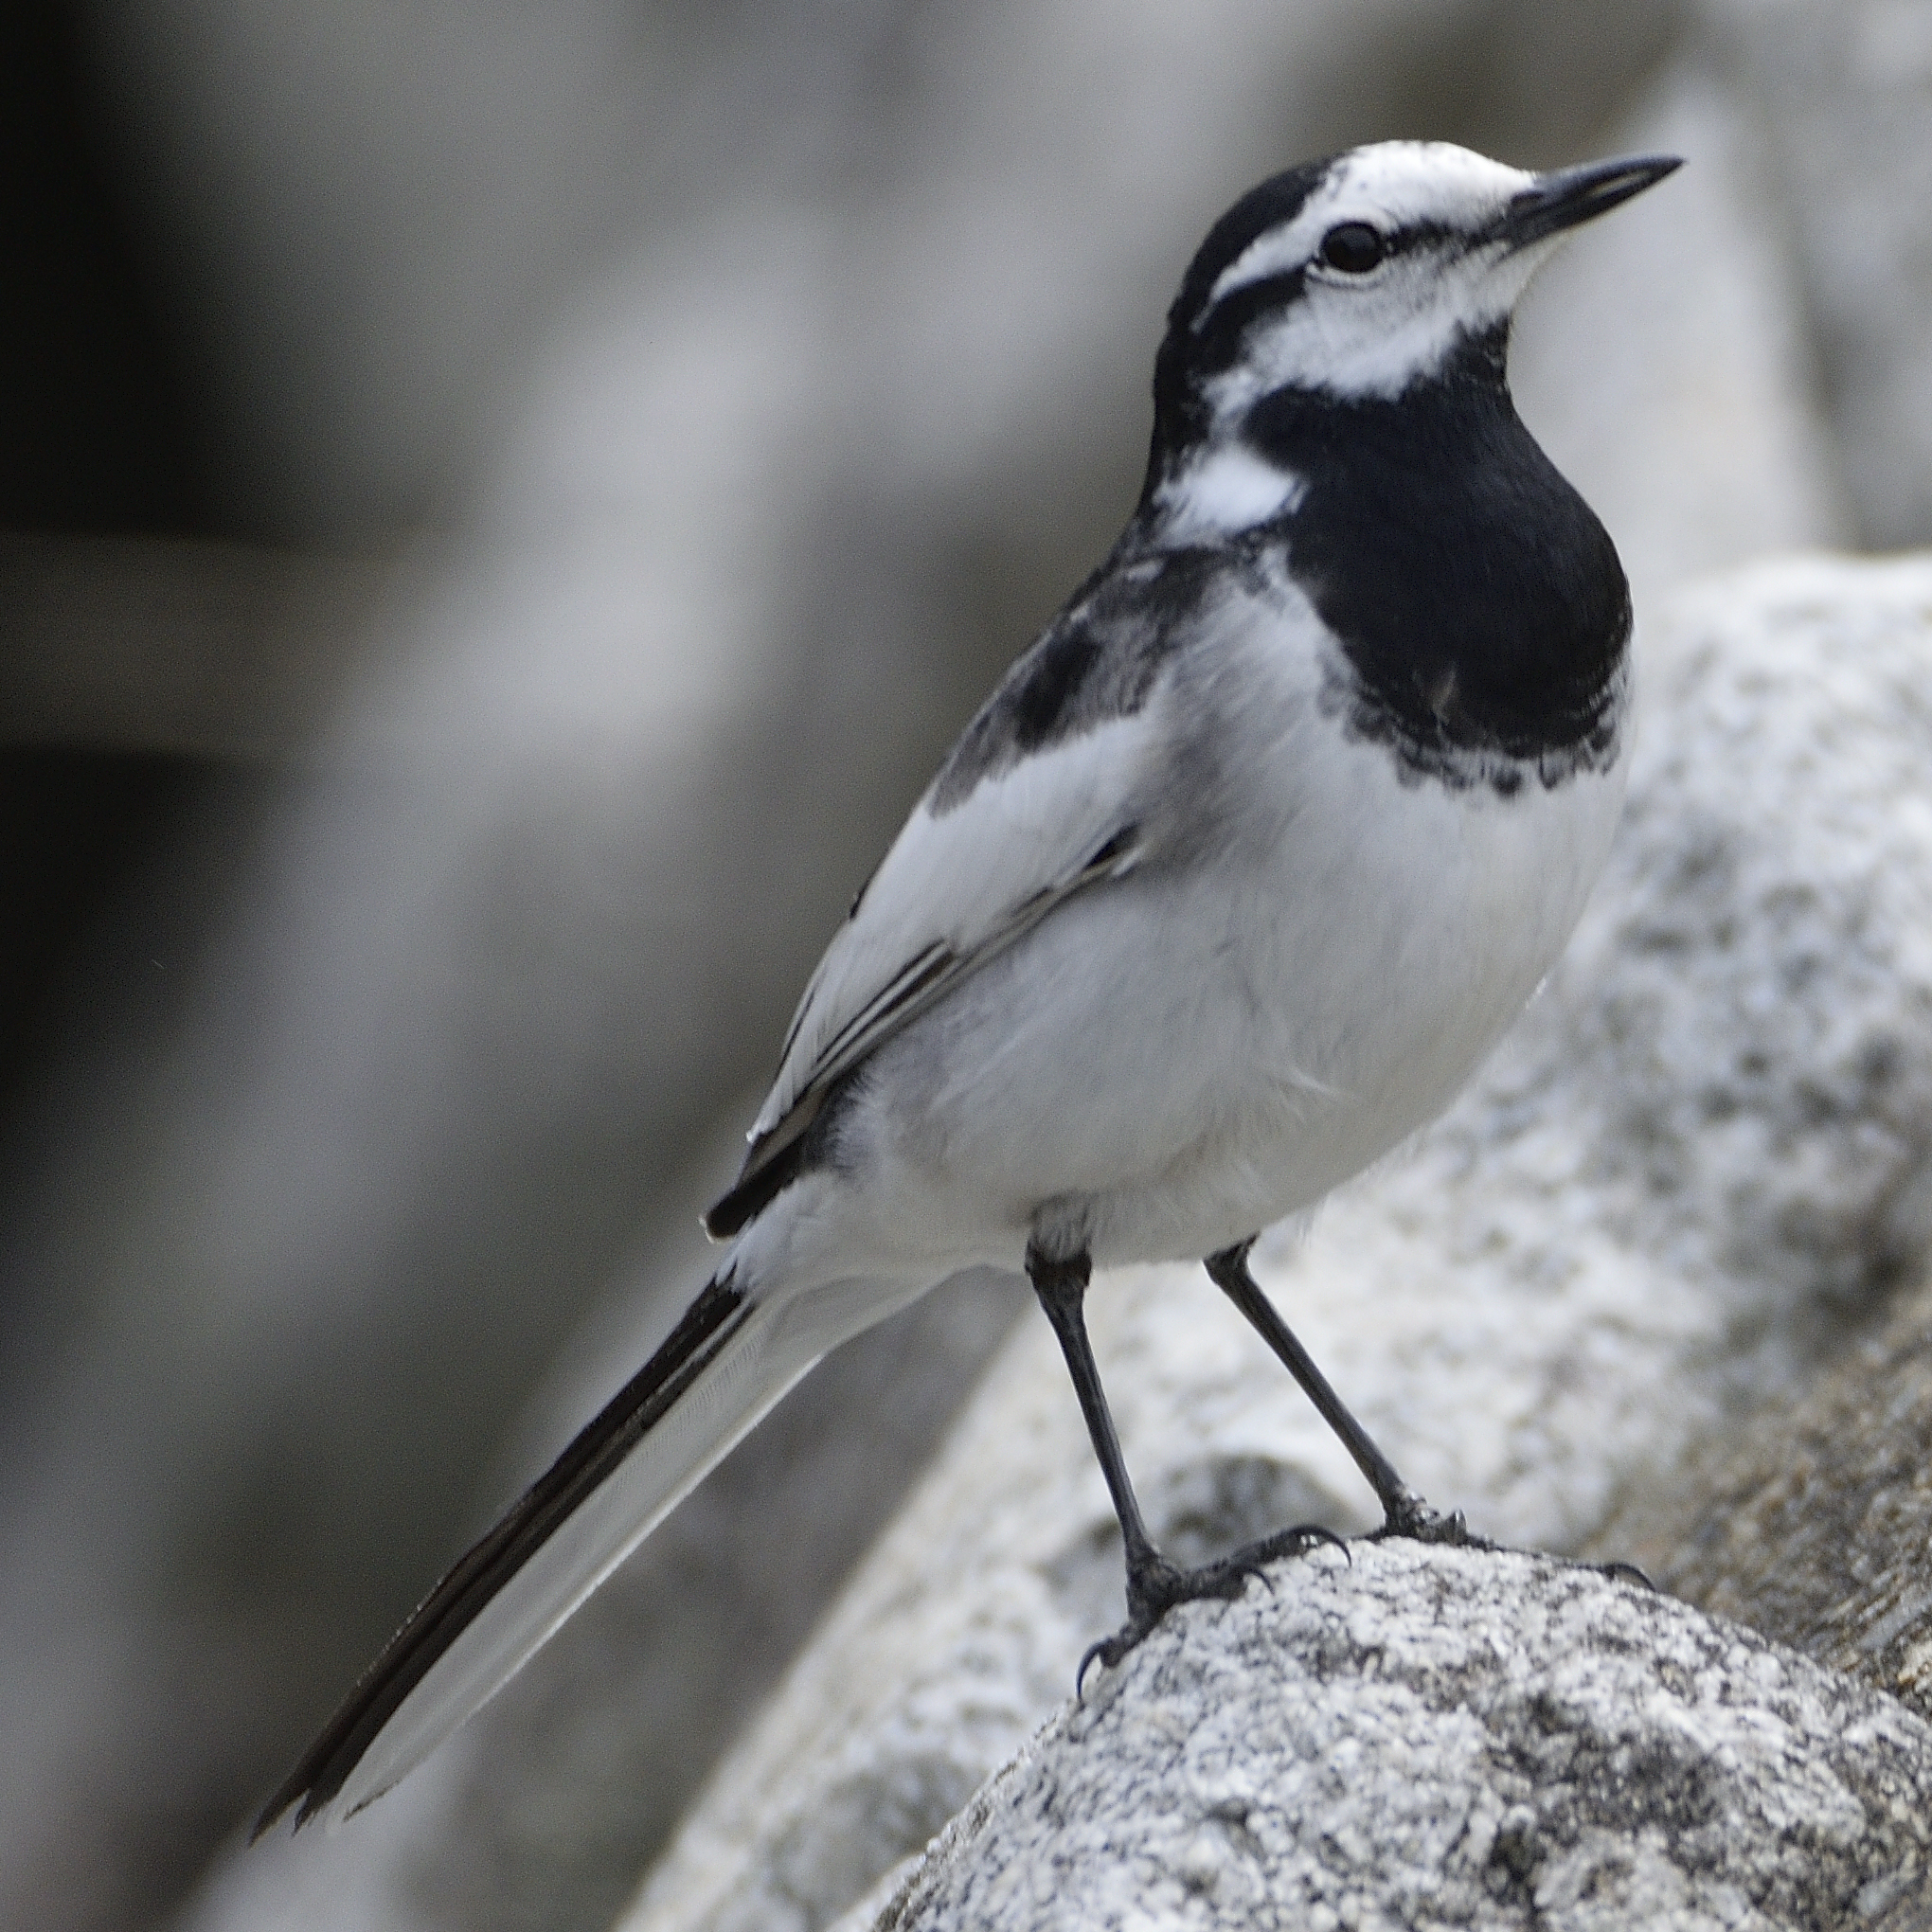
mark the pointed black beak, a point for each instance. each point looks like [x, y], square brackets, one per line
[1575, 195]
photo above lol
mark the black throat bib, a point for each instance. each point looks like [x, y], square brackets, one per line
[1481, 610]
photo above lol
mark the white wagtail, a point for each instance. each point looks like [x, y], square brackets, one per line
[1224, 891]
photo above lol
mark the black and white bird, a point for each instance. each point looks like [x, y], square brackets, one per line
[1225, 890]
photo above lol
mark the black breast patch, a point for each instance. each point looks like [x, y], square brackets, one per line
[1479, 604]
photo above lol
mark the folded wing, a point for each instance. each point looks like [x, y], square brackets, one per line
[963, 881]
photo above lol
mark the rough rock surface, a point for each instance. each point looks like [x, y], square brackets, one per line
[1448, 1737]
[1816, 1527]
[1701, 1154]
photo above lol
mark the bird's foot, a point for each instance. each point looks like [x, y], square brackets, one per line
[1409, 1516]
[1155, 1585]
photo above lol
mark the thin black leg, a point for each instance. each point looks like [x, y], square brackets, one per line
[1404, 1513]
[1061, 1288]
[1153, 1584]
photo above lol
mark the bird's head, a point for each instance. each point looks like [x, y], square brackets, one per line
[1358, 278]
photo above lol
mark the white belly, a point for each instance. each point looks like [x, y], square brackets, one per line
[1406, 940]
[1166, 1066]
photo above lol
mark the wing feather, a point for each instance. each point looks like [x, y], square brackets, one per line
[960, 884]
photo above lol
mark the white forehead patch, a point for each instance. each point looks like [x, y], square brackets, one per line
[1392, 184]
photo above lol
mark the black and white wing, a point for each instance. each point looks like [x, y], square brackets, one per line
[1046, 795]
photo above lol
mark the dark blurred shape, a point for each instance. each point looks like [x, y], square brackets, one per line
[79, 828]
[97, 428]
[152, 696]
[363, 218]
[110, 651]
[203, 651]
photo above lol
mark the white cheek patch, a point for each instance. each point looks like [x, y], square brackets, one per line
[1229, 490]
[1375, 339]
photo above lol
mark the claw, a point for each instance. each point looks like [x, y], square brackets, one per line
[1628, 1572]
[1094, 1652]
[1292, 1542]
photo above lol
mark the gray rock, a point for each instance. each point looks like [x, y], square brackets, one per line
[1702, 1154]
[1812, 1524]
[1447, 1737]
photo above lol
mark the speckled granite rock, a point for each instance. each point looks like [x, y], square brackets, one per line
[1447, 1737]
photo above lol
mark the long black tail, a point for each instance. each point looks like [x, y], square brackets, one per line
[618, 1478]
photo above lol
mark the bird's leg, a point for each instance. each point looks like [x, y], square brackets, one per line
[1404, 1513]
[1153, 1584]
[1061, 1288]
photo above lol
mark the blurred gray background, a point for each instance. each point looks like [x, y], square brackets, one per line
[501, 507]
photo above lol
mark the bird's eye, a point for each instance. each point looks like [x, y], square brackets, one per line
[1353, 247]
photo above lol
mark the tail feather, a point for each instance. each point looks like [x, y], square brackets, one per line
[719, 1371]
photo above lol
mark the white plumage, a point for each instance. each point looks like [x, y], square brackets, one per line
[1175, 1058]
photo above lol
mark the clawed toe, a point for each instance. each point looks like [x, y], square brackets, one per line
[1107, 1653]
[1155, 1586]
[1410, 1517]
[1627, 1572]
[1303, 1536]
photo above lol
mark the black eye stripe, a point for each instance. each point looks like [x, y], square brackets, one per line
[1218, 327]
[1240, 306]
[1410, 237]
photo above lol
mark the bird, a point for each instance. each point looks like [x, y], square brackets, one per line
[1223, 892]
